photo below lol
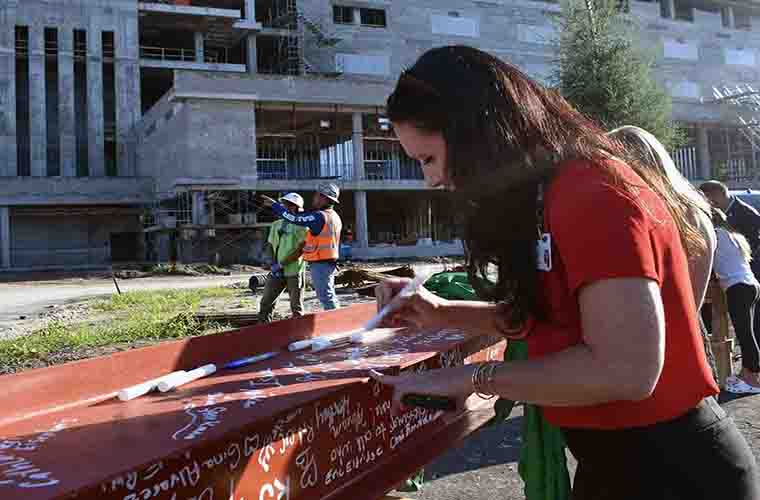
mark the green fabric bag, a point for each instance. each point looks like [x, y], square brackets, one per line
[543, 465]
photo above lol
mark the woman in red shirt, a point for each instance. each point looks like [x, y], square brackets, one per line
[604, 295]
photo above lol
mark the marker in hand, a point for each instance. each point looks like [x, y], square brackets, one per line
[429, 402]
[397, 301]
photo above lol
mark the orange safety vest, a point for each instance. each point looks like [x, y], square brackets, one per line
[325, 245]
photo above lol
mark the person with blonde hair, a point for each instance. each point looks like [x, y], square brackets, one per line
[651, 153]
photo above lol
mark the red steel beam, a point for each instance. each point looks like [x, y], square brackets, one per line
[298, 426]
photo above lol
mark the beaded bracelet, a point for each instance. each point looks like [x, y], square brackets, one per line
[482, 379]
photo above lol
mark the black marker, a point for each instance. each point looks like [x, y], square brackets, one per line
[429, 402]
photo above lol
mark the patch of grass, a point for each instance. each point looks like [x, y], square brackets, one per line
[138, 316]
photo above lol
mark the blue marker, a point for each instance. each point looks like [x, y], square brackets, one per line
[247, 361]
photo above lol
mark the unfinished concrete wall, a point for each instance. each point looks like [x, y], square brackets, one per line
[197, 139]
[522, 33]
[8, 146]
[94, 17]
[222, 141]
[64, 241]
[162, 145]
[75, 190]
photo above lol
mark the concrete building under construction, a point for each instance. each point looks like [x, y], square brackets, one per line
[142, 130]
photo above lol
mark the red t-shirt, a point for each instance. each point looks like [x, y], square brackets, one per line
[600, 232]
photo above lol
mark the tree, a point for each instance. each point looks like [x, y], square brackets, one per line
[605, 72]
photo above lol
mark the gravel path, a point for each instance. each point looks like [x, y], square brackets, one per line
[29, 304]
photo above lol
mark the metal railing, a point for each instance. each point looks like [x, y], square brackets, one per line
[285, 157]
[167, 54]
[385, 159]
[685, 159]
[80, 49]
[52, 48]
[22, 46]
[210, 55]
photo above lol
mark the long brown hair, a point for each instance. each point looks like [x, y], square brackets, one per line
[505, 135]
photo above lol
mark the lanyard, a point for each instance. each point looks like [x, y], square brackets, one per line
[540, 210]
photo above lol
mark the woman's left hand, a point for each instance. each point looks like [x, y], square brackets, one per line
[454, 383]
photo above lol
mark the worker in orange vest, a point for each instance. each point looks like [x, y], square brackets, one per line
[322, 246]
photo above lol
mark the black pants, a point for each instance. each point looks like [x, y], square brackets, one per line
[742, 299]
[700, 455]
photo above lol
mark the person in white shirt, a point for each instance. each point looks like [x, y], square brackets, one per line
[736, 278]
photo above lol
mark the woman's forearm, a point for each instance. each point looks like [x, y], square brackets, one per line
[482, 318]
[574, 376]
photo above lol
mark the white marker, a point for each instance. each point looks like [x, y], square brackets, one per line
[397, 301]
[144, 388]
[180, 379]
[321, 344]
[300, 345]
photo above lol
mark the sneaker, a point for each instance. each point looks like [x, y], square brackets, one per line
[735, 385]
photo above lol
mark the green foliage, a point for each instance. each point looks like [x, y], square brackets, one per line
[135, 317]
[605, 72]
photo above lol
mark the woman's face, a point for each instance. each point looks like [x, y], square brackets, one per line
[429, 148]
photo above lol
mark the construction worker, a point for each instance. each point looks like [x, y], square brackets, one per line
[322, 246]
[287, 241]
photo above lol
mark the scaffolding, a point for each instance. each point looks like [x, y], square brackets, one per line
[300, 32]
[741, 163]
[200, 224]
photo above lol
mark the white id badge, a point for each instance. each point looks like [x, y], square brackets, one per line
[544, 252]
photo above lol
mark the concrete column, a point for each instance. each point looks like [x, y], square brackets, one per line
[66, 110]
[250, 10]
[729, 21]
[8, 148]
[357, 16]
[670, 9]
[5, 237]
[128, 107]
[703, 153]
[251, 57]
[95, 119]
[357, 141]
[200, 47]
[254, 149]
[361, 233]
[250, 45]
[37, 101]
[200, 214]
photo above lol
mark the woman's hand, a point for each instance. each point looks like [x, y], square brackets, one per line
[422, 309]
[454, 383]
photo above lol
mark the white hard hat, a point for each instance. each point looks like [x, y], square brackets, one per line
[329, 191]
[293, 198]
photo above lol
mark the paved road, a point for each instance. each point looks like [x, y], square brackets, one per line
[484, 466]
[30, 298]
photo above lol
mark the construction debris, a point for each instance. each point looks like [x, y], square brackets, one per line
[356, 277]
